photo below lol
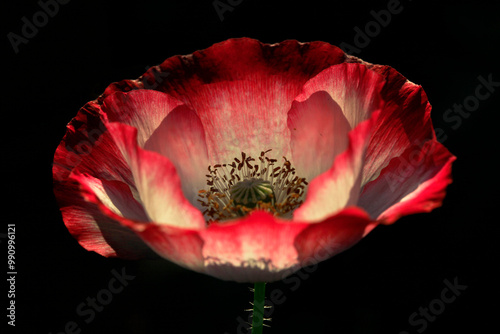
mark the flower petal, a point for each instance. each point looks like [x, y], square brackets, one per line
[405, 120]
[256, 248]
[331, 104]
[242, 90]
[116, 195]
[94, 230]
[263, 248]
[319, 132]
[164, 125]
[412, 183]
[88, 146]
[243, 116]
[88, 149]
[178, 245]
[143, 109]
[320, 241]
[157, 181]
[356, 92]
[338, 187]
[181, 138]
[354, 87]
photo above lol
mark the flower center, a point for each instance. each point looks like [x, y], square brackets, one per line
[250, 192]
[244, 185]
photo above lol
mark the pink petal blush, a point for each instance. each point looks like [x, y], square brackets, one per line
[248, 161]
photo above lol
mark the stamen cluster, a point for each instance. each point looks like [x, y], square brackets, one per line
[288, 189]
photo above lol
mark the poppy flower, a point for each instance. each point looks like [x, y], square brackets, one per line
[247, 161]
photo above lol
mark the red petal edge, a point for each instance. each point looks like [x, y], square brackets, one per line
[257, 248]
[412, 183]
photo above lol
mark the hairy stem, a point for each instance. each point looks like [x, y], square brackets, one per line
[258, 307]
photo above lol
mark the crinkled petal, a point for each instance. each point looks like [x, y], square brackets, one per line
[88, 149]
[412, 183]
[88, 146]
[404, 121]
[94, 230]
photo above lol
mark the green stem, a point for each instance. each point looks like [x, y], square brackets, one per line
[258, 307]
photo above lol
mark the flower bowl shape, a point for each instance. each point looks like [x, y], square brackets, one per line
[247, 161]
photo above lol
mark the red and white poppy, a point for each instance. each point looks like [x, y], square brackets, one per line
[247, 161]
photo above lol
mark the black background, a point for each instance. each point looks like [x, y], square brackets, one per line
[372, 288]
